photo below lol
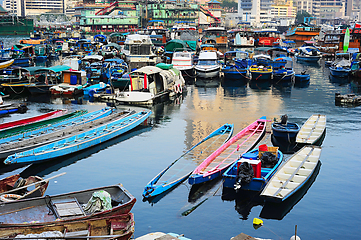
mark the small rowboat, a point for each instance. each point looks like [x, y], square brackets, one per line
[9, 184]
[12, 108]
[35, 125]
[261, 172]
[80, 141]
[32, 119]
[216, 163]
[56, 211]
[285, 130]
[312, 132]
[302, 78]
[292, 175]
[181, 168]
[56, 132]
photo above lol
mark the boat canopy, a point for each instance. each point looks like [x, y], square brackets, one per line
[207, 55]
[93, 57]
[262, 56]
[117, 46]
[148, 70]
[176, 45]
[55, 69]
[32, 70]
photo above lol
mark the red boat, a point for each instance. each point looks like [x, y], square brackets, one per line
[25, 121]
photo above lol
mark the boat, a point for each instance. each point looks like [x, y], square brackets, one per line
[308, 53]
[283, 73]
[266, 37]
[63, 209]
[312, 132]
[15, 187]
[236, 67]
[341, 66]
[216, 163]
[35, 125]
[347, 99]
[152, 84]
[80, 141]
[302, 77]
[253, 170]
[182, 167]
[95, 88]
[6, 64]
[285, 130]
[183, 61]
[19, 25]
[12, 108]
[302, 32]
[240, 38]
[119, 227]
[161, 235]
[261, 69]
[216, 36]
[207, 66]
[56, 132]
[25, 121]
[186, 33]
[292, 175]
[73, 83]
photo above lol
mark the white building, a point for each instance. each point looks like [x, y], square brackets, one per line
[34, 7]
[256, 11]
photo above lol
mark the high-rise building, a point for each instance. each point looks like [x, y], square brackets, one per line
[256, 11]
[34, 7]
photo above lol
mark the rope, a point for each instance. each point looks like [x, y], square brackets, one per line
[15, 91]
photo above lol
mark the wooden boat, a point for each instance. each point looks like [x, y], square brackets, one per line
[35, 125]
[9, 184]
[285, 130]
[32, 119]
[312, 131]
[347, 99]
[181, 168]
[80, 141]
[216, 163]
[12, 108]
[119, 227]
[6, 64]
[262, 172]
[56, 132]
[63, 209]
[72, 84]
[292, 175]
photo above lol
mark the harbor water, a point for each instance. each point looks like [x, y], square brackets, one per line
[328, 208]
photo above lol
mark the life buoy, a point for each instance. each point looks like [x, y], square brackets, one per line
[344, 30]
[356, 31]
[350, 30]
[9, 197]
[251, 41]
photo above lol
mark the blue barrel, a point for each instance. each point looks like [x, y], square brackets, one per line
[73, 80]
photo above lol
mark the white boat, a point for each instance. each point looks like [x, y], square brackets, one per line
[183, 61]
[292, 175]
[312, 131]
[152, 84]
[207, 66]
[138, 51]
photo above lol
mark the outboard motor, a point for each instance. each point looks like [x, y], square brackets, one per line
[284, 119]
[245, 175]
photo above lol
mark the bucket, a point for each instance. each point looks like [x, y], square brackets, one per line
[73, 80]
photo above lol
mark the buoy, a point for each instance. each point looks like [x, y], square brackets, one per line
[257, 223]
[295, 238]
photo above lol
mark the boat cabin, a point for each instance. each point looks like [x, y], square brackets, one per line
[266, 37]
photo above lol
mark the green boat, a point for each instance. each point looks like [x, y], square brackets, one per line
[32, 126]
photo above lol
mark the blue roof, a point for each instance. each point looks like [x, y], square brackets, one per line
[213, 1]
[155, 21]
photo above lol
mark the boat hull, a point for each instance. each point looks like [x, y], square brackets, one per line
[308, 58]
[286, 131]
[206, 73]
[301, 78]
[339, 72]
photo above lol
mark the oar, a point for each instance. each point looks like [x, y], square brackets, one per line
[44, 180]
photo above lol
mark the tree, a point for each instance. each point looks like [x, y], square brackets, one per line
[300, 16]
[229, 4]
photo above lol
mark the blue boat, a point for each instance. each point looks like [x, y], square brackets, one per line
[261, 172]
[95, 88]
[308, 53]
[181, 168]
[302, 78]
[80, 141]
[236, 66]
[281, 73]
[341, 67]
[285, 130]
[261, 70]
[340, 72]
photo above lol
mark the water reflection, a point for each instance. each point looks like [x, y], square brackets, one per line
[209, 83]
[280, 210]
[338, 81]
[283, 91]
[260, 85]
[235, 91]
[302, 84]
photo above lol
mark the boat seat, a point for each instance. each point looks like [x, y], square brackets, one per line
[67, 208]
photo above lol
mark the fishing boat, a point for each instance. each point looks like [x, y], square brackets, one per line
[216, 36]
[119, 227]
[285, 130]
[15, 187]
[183, 61]
[216, 163]
[182, 167]
[292, 175]
[35, 125]
[236, 66]
[283, 73]
[207, 66]
[252, 171]
[302, 77]
[12, 108]
[63, 209]
[25, 121]
[72, 83]
[302, 32]
[56, 132]
[95, 88]
[341, 66]
[261, 70]
[308, 53]
[80, 141]
[152, 84]
[312, 132]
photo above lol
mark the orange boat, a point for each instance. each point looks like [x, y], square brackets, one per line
[302, 33]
